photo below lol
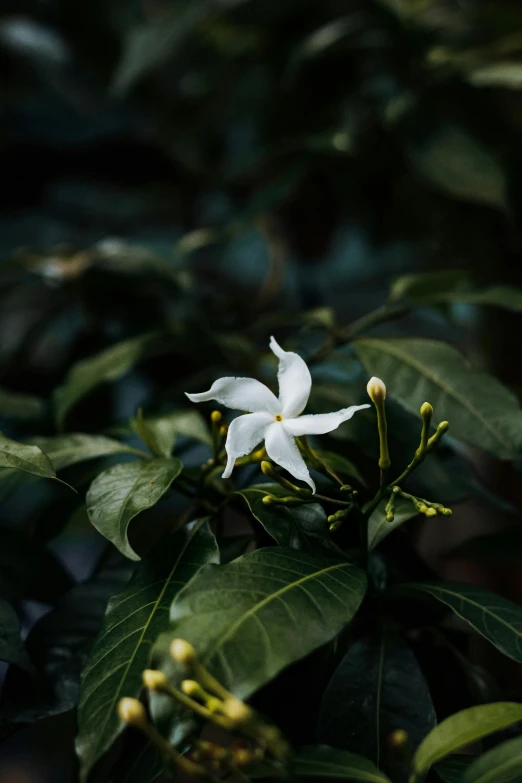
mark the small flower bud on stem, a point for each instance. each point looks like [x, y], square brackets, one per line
[377, 393]
[268, 470]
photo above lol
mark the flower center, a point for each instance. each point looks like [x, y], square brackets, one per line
[279, 417]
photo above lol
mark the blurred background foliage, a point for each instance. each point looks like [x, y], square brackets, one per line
[205, 172]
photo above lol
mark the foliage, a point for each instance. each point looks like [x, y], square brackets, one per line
[273, 133]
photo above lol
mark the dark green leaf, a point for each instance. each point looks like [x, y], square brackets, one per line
[451, 769]
[23, 407]
[109, 365]
[495, 618]
[502, 764]
[12, 649]
[133, 622]
[20, 456]
[341, 465]
[379, 527]
[299, 527]
[462, 728]
[458, 165]
[67, 450]
[161, 431]
[507, 75]
[321, 761]
[118, 494]
[480, 410]
[250, 619]
[369, 697]
[452, 286]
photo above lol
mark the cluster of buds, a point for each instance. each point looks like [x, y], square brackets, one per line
[206, 697]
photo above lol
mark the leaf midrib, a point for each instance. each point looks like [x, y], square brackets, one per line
[386, 347]
[261, 604]
[24, 461]
[167, 581]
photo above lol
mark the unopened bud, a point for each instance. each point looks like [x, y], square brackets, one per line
[398, 739]
[442, 427]
[446, 512]
[154, 680]
[216, 417]
[193, 689]
[245, 756]
[376, 391]
[430, 512]
[223, 430]
[267, 468]
[426, 410]
[269, 499]
[182, 652]
[236, 710]
[132, 712]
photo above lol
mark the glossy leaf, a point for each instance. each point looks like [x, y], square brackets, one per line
[72, 448]
[369, 697]
[250, 619]
[458, 165]
[379, 527]
[502, 764]
[495, 618]
[163, 430]
[23, 457]
[341, 465]
[451, 286]
[118, 494]
[451, 769]
[133, 621]
[12, 649]
[481, 411]
[304, 526]
[462, 728]
[322, 761]
[109, 365]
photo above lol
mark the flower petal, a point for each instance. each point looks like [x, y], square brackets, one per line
[320, 423]
[282, 448]
[244, 434]
[294, 378]
[243, 394]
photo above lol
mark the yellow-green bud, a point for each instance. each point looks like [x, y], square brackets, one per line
[447, 512]
[216, 417]
[376, 391]
[430, 512]
[269, 499]
[426, 410]
[193, 689]
[132, 712]
[154, 680]
[398, 739]
[442, 427]
[390, 516]
[266, 468]
[182, 652]
[223, 430]
[236, 710]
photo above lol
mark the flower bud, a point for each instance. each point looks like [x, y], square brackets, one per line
[430, 512]
[426, 410]
[442, 427]
[216, 417]
[223, 430]
[267, 468]
[182, 652]
[398, 739]
[236, 710]
[269, 499]
[154, 680]
[193, 689]
[132, 712]
[376, 391]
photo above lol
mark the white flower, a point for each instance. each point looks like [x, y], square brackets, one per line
[276, 421]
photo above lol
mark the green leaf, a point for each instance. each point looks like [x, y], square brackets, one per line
[299, 527]
[253, 617]
[462, 728]
[12, 649]
[69, 449]
[109, 365]
[481, 411]
[322, 761]
[502, 764]
[379, 527]
[341, 465]
[118, 494]
[459, 166]
[451, 769]
[495, 618]
[23, 407]
[20, 456]
[163, 430]
[450, 286]
[369, 697]
[133, 621]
